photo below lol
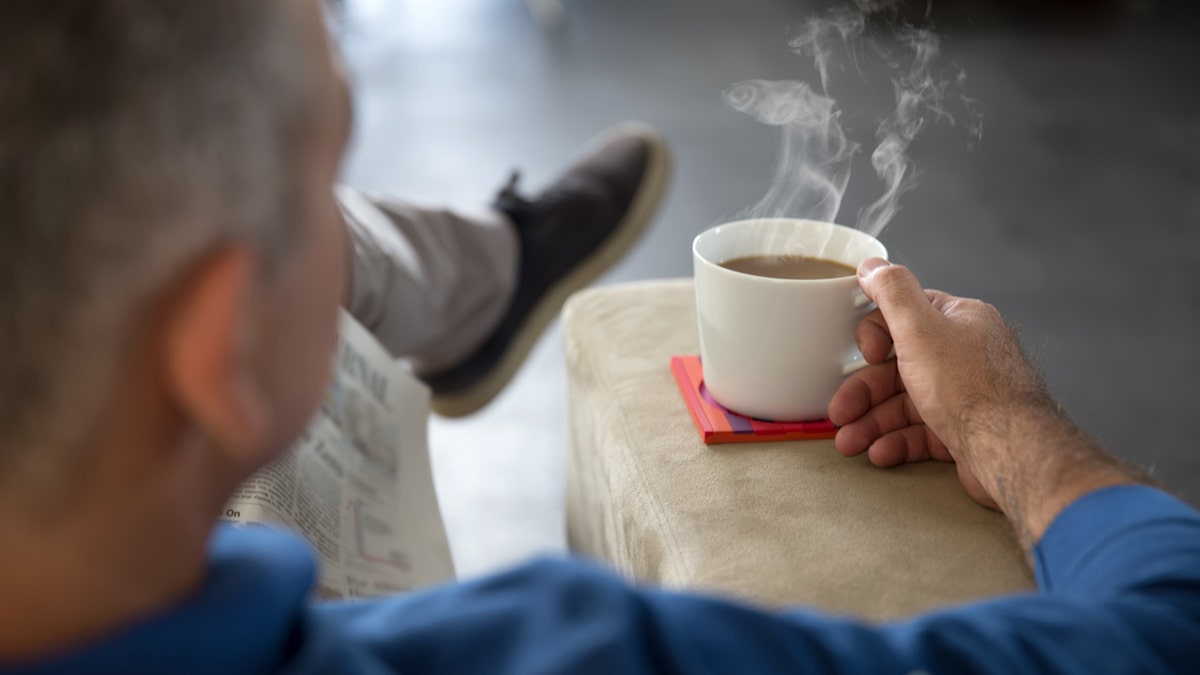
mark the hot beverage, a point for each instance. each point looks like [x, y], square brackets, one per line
[777, 302]
[789, 267]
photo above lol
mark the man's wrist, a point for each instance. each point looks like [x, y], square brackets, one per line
[1034, 462]
[988, 425]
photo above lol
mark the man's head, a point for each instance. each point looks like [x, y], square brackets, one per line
[171, 259]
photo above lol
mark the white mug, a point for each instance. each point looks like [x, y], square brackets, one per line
[778, 349]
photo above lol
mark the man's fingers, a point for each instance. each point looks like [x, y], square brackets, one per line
[910, 444]
[893, 414]
[896, 291]
[872, 337]
[863, 391]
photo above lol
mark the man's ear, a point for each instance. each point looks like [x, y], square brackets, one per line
[213, 357]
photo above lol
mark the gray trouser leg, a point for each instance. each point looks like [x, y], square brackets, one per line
[431, 284]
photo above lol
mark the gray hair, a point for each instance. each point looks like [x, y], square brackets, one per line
[135, 135]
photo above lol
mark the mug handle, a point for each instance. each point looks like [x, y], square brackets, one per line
[860, 298]
[856, 361]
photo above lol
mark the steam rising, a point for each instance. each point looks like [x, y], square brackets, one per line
[814, 165]
[814, 162]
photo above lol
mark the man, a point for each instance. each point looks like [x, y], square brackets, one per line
[171, 264]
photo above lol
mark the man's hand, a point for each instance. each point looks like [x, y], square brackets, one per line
[960, 390]
[954, 356]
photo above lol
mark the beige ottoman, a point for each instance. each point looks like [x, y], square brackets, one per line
[774, 523]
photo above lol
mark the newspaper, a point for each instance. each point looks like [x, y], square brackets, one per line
[358, 484]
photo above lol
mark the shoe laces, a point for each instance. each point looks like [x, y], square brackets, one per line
[518, 208]
[509, 192]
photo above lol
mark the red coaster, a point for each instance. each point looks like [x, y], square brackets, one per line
[718, 425]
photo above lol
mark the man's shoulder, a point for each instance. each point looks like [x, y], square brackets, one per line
[250, 548]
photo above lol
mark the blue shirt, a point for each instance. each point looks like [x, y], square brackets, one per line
[1119, 592]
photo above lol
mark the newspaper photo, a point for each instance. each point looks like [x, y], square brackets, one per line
[358, 484]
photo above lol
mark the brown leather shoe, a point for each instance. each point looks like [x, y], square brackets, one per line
[569, 235]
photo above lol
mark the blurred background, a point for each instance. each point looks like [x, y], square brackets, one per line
[1078, 213]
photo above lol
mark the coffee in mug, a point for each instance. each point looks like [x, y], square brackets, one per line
[789, 267]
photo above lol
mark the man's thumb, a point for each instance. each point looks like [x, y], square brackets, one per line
[894, 289]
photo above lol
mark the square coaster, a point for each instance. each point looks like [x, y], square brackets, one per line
[718, 425]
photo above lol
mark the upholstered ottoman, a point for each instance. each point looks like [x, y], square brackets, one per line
[774, 523]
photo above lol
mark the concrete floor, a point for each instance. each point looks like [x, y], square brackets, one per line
[1078, 214]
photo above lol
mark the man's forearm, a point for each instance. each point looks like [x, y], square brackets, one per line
[1034, 461]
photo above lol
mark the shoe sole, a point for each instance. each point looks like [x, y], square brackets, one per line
[628, 232]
